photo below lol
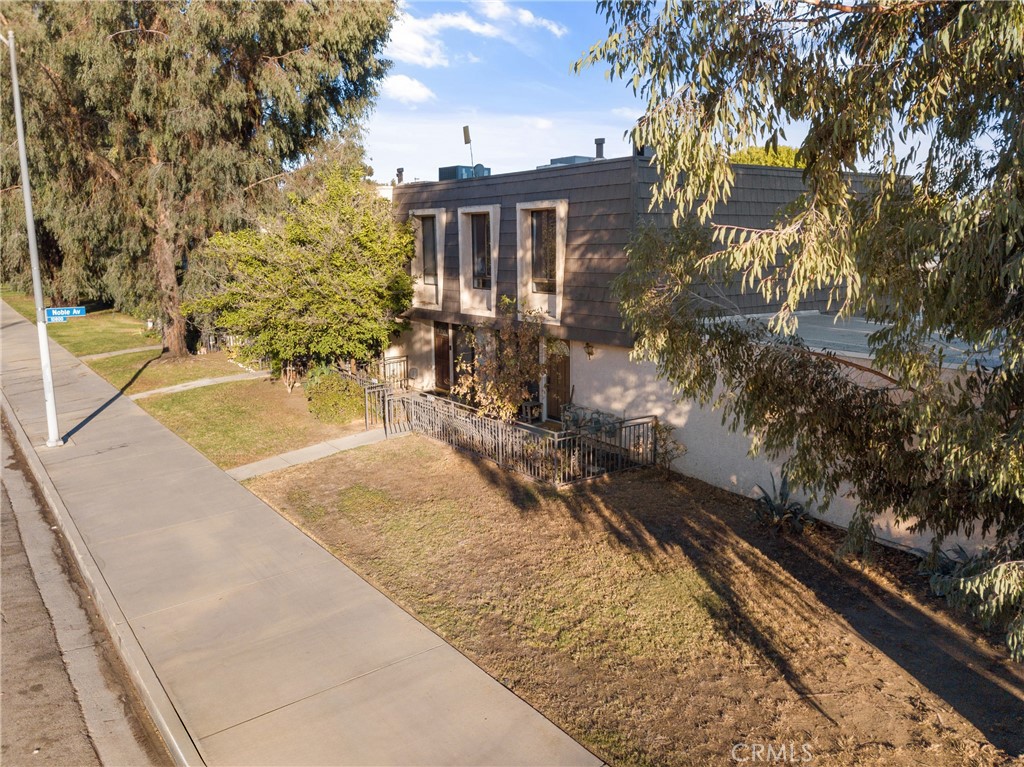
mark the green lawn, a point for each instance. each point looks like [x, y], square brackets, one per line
[238, 423]
[102, 331]
[145, 371]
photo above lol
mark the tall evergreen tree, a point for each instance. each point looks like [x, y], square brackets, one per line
[154, 124]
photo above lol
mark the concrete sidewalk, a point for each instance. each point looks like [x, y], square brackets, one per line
[251, 644]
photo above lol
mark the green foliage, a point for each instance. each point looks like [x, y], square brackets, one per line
[505, 362]
[669, 449]
[777, 157]
[779, 511]
[333, 398]
[152, 125]
[931, 246]
[990, 588]
[325, 280]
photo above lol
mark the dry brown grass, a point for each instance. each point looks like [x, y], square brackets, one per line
[653, 620]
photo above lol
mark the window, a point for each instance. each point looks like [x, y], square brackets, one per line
[428, 262]
[478, 259]
[542, 225]
[541, 233]
[480, 225]
[428, 232]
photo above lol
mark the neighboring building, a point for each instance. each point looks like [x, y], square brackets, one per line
[554, 239]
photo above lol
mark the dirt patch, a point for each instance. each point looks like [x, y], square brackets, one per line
[656, 622]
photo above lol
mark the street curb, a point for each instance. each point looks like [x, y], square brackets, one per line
[179, 743]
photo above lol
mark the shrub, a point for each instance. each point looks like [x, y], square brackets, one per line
[989, 587]
[669, 448]
[779, 511]
[333, 398]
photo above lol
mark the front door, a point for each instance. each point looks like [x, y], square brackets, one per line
[558, 381]
[442, 357]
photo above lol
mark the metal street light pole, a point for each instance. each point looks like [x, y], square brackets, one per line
[53, 435]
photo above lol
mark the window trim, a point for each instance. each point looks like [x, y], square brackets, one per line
[549, 303]
[424, 294]
[477, 302]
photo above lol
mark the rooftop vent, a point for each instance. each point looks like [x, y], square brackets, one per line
[575, 159]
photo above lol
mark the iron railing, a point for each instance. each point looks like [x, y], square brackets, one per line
[545, 456]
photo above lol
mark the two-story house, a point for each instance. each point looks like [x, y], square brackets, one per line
[553, 238]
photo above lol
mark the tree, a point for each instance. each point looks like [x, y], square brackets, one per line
[155, 124]
[505, 363]
[325, 280]
[778, 157]
[930, 97]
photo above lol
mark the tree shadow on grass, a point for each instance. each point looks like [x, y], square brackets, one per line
[733, 555]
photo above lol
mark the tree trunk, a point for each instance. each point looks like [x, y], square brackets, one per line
[165, 264]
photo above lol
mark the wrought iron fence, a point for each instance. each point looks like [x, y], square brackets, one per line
[558, 459]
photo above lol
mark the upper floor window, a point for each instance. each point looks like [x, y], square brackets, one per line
[478, 259]
[543, 250]
[480, 224]
[428, 263]
[428, 232]
[542, 228]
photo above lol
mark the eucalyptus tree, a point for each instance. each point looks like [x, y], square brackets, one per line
[777, 157]
[930, 98]
[155, 124]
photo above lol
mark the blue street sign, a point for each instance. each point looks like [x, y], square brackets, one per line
[61, 313]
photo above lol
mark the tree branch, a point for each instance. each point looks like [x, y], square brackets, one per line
[143, 30]
[264, 180]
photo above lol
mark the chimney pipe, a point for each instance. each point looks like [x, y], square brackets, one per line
[599, 148]
[400, 173]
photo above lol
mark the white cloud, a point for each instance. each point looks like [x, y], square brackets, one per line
[406, 89]
[418, 41]
[499, 10]
[628, 113]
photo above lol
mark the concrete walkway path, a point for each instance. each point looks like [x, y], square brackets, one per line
[199, 383]
[119, 352]
[251, 644]
[306, 454]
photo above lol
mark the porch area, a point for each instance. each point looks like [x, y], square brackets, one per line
[589, 444]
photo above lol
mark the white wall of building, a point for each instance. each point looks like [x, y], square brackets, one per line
[417, 344]
[611, 382]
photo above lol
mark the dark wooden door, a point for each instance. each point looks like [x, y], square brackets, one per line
[442, 357]
[558, 385]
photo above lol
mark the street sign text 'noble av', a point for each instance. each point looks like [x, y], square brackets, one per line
[61, 313]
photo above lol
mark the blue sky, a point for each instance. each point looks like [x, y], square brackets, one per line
[503, 68]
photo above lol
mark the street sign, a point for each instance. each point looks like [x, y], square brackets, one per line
[61, 313]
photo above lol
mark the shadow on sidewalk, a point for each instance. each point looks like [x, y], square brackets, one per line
[85, 421]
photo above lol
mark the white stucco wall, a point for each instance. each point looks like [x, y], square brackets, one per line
[611, 382]
[417, 344]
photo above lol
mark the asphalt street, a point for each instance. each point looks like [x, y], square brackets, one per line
[64, 699]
